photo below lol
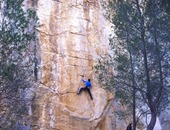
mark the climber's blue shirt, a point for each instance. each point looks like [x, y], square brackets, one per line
[88, 84]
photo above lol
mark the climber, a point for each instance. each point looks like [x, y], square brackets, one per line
[87, 87]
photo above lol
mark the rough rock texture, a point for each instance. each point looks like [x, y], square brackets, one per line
[164, 119]
[72, 34]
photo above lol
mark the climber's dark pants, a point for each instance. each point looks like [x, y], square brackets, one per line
[86, 89]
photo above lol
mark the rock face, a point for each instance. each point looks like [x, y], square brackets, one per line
[164, 119]
[72, 34]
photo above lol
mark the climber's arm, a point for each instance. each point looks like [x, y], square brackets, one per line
[84, 81]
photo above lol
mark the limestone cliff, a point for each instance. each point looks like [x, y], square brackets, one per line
[72, 34]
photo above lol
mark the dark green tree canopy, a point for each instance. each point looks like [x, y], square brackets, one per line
[140, 56]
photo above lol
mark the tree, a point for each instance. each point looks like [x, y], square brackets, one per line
[166, 5]
[141, 55]
[17, 33]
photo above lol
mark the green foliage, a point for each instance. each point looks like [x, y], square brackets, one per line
[122, 60]
[17, 33]
[140, 54]
[166, 5]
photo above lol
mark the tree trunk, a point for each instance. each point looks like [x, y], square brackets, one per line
[134, 108]
[133, 93]
[133, 83]
[152, 121]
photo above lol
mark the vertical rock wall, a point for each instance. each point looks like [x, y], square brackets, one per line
[72, 35]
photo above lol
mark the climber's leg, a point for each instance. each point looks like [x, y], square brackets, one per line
[80, 89]
[88, 89]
